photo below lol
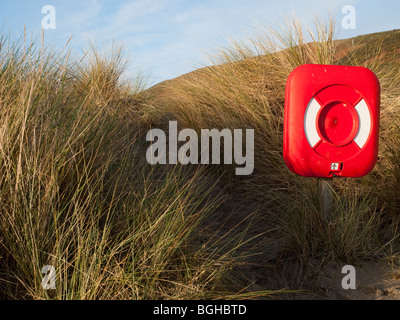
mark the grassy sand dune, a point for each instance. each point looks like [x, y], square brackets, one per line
[77, 193]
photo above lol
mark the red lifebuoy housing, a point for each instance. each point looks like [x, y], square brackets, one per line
[331, 123]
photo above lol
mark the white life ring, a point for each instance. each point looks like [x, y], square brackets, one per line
[314, 137]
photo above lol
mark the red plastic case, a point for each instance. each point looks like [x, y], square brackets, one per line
[331, 122]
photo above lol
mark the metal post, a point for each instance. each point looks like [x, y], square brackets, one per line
[326, 196]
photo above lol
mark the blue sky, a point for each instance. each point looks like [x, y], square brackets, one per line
[167, 38]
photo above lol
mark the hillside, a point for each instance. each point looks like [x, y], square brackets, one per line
[246, 90]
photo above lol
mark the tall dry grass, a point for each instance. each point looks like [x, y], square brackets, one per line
[77, 194]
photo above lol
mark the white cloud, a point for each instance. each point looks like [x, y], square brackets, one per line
[130, 11]
[82, 16]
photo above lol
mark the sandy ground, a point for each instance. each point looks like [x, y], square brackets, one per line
[374, 281]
